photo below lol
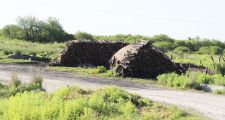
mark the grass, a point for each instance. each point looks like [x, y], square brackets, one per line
[72, 103]
[95, 71]
[41, 50]
[98, 71]
[15, 86]
[221, 92]
[198, 59]
[190, 80]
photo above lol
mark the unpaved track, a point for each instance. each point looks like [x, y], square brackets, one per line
[210, 105]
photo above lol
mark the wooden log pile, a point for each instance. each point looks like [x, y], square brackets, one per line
[141, 60]
[87, 53]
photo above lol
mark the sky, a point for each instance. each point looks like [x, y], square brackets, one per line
[177, 18]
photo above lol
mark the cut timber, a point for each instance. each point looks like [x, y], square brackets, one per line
[141, 60]
[88, 53]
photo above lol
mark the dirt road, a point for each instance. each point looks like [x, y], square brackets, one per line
[212, 106]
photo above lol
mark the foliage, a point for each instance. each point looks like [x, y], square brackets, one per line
[12, 31]
[222, 92]
[109, 103]
[190, 80]
[101, 69]
[220, 68]
[16, 86]
[8, 48]
[164, 46]
[181, 49]
[213, 50]
[209, 61]
[41, 31]
[83, 36]
[161, 38]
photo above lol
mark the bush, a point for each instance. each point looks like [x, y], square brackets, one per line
[182, 49]
[101, 69]
[175, 80]
[190, 80]
[15, 82]
[220, 68]
[17, 87]
[164, 46]
[83, 36]
[213, 50]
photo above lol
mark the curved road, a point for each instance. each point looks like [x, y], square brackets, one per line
[209, 105]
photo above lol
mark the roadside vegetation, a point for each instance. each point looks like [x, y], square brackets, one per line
[190, 80]
[19, 51]
[15, 86]
[110, 103]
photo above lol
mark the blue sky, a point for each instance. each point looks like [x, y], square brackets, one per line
[177, 18]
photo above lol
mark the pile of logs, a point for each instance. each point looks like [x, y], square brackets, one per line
[87, 53]
[141, 60]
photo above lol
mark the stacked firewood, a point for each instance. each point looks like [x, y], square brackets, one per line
[86, 52]
[141, 60]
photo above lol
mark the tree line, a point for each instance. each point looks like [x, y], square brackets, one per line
[33, 29]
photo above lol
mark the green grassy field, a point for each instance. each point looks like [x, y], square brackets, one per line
[19, 47]
[198, 59]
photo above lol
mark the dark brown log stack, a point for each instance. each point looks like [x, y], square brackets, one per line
[141, 60]
[87, 52]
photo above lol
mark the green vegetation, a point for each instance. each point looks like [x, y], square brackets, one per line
[99, 71]
[83, 36]
[221, 92]
[191, 80]
[16, 86]
[210, 61]
[109, 103]
[32, 29]
[14, 50]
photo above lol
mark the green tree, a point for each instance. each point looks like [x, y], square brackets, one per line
[213, 50]
[43, 31]
[55, 30]
[161, 38]
[83, 36]
[30, 26]
[182, 49]
[12, 31]
[164, 46]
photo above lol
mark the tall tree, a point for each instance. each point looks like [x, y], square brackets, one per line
[12, 31]
[55, 30]
[30, 26]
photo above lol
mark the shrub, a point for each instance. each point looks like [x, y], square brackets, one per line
[182, 49]
[101, 69]
[15, 82]
[220, 68]
[164, 46]
[174, 80]
[190, 80]
[37, 81]
[213, 50]
[83, 36]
